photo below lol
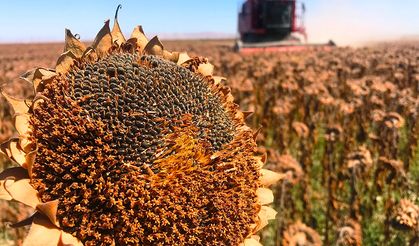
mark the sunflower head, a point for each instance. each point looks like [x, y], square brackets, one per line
[406, 216]
[300, 234]
[127, 143]
[359, 161]
[333, 133]
[349, 234]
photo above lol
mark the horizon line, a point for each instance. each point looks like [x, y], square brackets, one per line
[162, 36]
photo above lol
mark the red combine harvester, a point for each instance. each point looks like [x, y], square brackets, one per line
[273, 25]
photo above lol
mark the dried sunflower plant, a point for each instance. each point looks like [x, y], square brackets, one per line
[348, 120]
[126, 143]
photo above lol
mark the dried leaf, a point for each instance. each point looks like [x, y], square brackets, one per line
[73, 44]
[25, 144]
[206, 69]
[18, 155]
[30, 160]
[171, 56]
[154, 47]
[140, 37]
[265, 196]
[65, 61]
[265, 214]
[39, 99]
[15, 173]
[21, 122]
[50, 210]
[28, 76]
[256, 133]
[42, 232]
[68, 239]
[19, 106]
[251, 242]
[5, 148]
[103, 40]
[218, 79]
[117, 36]
[23, 192]
[247, 114]
[259, 162]
[40, 75]
[183, 57]
[4, 194]
[269, 177]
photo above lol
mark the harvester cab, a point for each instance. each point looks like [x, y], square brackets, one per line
[273, 25]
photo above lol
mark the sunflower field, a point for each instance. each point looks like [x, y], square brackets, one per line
[341, 127]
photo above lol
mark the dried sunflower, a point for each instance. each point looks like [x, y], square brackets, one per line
[393, 120]
[126, 143]
[300, 234]
[359, 161]
[406, 216]
[300, 129]
[349, 234]
[389, 170]
[333, 133]
[287, 165]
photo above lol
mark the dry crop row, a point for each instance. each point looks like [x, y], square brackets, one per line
[341, 124]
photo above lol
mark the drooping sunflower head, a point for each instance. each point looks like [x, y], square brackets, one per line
[406, 216]
[300, 234]
[349, 234]
[359, 161]
[126, 143]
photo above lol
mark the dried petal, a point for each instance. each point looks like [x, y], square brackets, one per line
[73, 44]
[154, 47]
[42, 232]
[50, 210]
[141, 39]
[19, 106]
[68, 239]
[265, 214]
[117, 36]
[206, 69]
[64, 62]
[251, 242]
[270, 178]
[103, 40]
[8, 177]
[183, 57]
[265, 196]
[18, 155]
[21, 122]
[23, 192]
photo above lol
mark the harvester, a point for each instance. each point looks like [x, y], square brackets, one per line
[273, 25]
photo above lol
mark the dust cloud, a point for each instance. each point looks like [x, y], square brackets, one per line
[347, 23]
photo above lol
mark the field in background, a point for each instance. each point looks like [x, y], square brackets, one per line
[343, 125]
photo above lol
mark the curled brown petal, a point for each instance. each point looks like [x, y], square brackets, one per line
[117, 36]
[103, 40]
[50, 210]
[154, 47]
[23, 192]
[73, 44]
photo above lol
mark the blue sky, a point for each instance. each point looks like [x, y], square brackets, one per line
[345, 21]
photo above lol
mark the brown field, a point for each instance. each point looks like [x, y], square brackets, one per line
[342, 124]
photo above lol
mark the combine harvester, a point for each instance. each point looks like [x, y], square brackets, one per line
[273, 25]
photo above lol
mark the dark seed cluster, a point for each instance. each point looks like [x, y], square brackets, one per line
[124, 144]
[135, 97]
